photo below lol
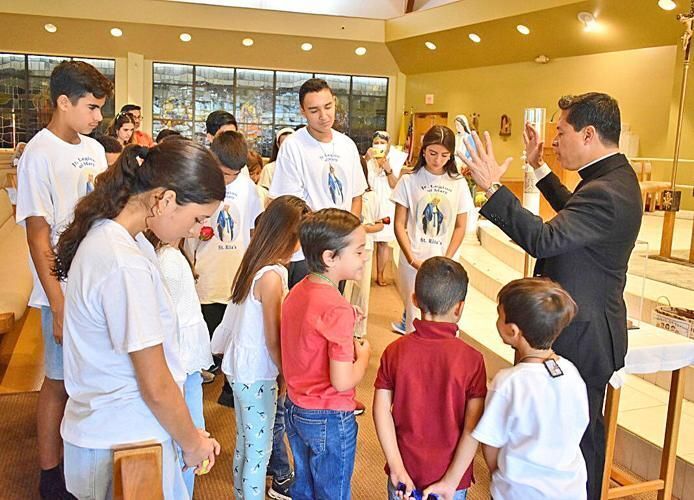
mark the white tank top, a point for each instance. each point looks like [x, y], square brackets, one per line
[241, 336]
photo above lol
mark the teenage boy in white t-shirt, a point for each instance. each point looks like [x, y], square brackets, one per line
[58, 167]
[223, 240]
[317, 163]
[537, 411]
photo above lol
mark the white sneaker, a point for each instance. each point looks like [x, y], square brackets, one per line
[398, 328]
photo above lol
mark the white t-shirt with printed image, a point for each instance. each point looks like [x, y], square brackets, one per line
[217, 259]
[116, 303]
[52, 176]
[537, 421]
[324, 175]
[433, 202]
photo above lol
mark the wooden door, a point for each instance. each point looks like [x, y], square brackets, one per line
[422, 123]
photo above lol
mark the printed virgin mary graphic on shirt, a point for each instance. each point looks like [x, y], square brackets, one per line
[335, 186]
[432, 217]
[225, 225]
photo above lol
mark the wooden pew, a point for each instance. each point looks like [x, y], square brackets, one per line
[137, 472]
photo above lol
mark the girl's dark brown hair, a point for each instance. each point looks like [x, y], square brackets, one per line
[184, 167]
[274, 240]
[443, 136]
[120, 120]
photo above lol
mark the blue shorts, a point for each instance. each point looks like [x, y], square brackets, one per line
[52, 351]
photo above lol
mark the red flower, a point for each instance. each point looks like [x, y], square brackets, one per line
[386, 220]
[206, 233]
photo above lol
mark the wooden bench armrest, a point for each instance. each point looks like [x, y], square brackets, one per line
[6, 322]
[137, 472]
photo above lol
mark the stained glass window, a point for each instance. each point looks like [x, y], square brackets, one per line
[263, 101]
[25, 100]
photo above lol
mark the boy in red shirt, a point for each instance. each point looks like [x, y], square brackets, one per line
[430, 391]
[321, 361]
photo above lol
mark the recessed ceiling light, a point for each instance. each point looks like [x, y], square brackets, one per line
[247, 42]
[306, 47]
[474, 37]
[523, 29]
[185, 37]
[360, 51]
[116, 32]
[430, 45]
[666, 4]
[588, 21]
[51, 28]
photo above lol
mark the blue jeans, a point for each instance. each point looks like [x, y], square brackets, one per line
[323, 444]
[393, 493]
[192, 391]
[279, 467]
[89, 472]
[52, 351]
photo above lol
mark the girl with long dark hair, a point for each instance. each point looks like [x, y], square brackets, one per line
[123, 374]
[431, 206]
[249, 337]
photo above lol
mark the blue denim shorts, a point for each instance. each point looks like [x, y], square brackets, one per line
[52, 351]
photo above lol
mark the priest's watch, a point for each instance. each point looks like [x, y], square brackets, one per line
[492, 189]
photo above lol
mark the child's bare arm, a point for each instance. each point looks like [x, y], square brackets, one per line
[464, 453]
[269, 291]
[385, 429]
[491, 456]
[345, 375]
[458, 235]
[400, 228]
[374, 228]
[41, 250]
[356, 206]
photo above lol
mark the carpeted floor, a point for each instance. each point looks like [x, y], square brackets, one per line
[18, 460]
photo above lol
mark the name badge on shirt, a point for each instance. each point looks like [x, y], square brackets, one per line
[553, 368]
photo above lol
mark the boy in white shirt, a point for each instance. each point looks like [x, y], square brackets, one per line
[317, 163]
[58, 167]
[217, 252]
[537, 411]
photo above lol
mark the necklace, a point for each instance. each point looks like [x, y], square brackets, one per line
[549, 362]
[325, 154]
[325, 278]
[534, 356]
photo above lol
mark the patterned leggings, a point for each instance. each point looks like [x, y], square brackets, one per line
[255, 406]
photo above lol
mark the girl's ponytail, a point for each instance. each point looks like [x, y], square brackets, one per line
[184, 167]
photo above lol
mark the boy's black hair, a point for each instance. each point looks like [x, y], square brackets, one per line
[110, 143]
[167, 132]
[217, 119]
[231, 149]
[312, 85]
[327, 229]
[441, 283]
[76, 79]
[540, 307]
[127, 108]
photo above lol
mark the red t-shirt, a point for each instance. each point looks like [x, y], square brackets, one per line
[317, 326]
[432, 375]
